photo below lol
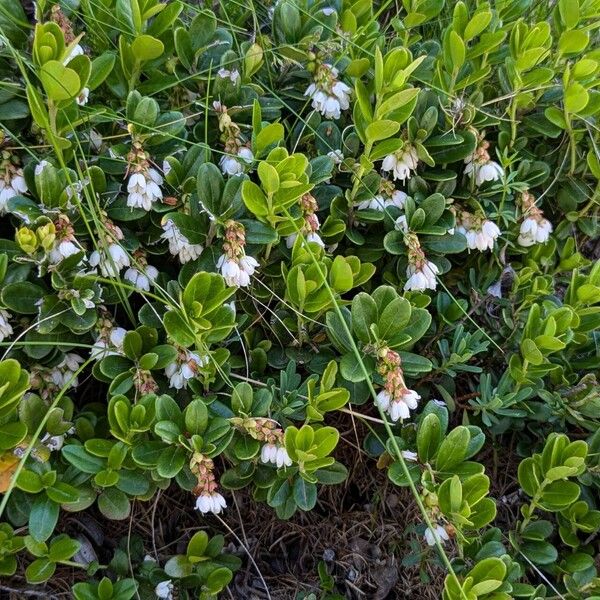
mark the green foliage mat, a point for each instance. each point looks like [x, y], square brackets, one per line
[239, 238]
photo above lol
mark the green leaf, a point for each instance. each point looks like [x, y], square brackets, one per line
[381, 130]
[22, 297]
[269, 177]
[43, 518]
[305, 494]
[60, 82]
[11, 435]
[540, 552]
[81, 459]
[364, 314]
[40, 570]
[171, 461]
[178, 566]
[218, 580]
[429, 437]
[129, 16]
[457, 50]
[573, 42]
[559, 494]
[576, 98]
[453, 449]
[145, 47]
[63, 548]
[196, 417]
[101, 68]
[114, 504]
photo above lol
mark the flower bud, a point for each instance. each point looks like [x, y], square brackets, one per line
[431, 500]
[27, 240]
[46, 235]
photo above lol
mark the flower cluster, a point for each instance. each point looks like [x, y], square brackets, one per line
[109, 341]
[65, 242]
[236, 267]
[388, 196]
[329, 95]
[271, 434]
[143, 185]
[438, 532]
[6, 329]
[208, 499]
[402, 162]
[308, 206]
[111, 257]
[12, 182]
[535, 229]
[395, 398]
[480, 167]
[237, 156]
[142, 275]
[47, 381]
[179, 245]
[184, 368]
[421, 273]
[481, 233]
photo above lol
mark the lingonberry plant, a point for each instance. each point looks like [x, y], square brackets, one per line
[236, 237]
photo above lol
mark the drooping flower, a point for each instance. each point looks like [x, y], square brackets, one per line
[437, 533]
[271, 434]
[421, 277]
[420, 272]
[6, 329]
[401, 224]
[399, 404]
[82, 98]
[237, 156]
[235, 265]
[53, 442]
[236, 164]
[208, 499]
[480, 167]
[164, 589]
[110, 260]
[308, 206]
[12, 182]
[144, 182]
[337, 156]
[382, 201]
[184, 368]
[237, 272]
[76, 50]
[275, 454]
[329, 95]
[65, 243]
[402, 162]
[395, 399]
[481, 233]
[233, 75]
[179, 245]
[109, 342]
[210, 503]
[141, 279]
[535, 229]
[63, 374]
[111, 257]
[141, 275]
[410, 455]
